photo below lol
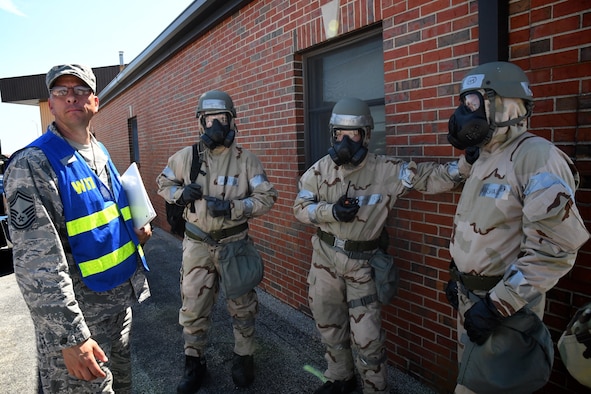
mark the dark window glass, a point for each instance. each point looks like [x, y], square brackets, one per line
[134, 148]
[350, 68]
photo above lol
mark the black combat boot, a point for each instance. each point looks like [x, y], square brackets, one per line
[243, 370]
[338, 387]
[195, 370]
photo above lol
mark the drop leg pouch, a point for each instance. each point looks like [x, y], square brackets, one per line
[385, 275]
[241, 267]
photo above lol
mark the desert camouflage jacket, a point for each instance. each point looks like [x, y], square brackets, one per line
[517, 218]
[232, 173]
[376, 183]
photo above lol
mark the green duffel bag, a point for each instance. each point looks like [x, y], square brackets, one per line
[241, 268]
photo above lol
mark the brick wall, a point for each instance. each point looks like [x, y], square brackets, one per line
[255, 55]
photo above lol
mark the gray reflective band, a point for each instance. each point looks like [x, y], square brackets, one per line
[359, 121]
[406, 176]
[454, 171]
[227, 180]
[515, 278]
[172, 191]
[257, 180]
[248, 206]
[312, 213]
[213, 104]
[544, 181]
[372, 199]
[306, 195]
[168, 173]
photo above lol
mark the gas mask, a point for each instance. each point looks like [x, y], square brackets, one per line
[347, 151]
[468, 126]
[217, 135]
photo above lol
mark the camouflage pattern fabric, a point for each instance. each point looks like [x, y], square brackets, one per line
[64, 311]
[335, 280]
[517, 218]
[232, 174]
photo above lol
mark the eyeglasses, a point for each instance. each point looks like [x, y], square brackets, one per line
[62, 91]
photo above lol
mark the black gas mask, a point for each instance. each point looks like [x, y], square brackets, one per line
[217, 135]
[468, 126]
[347, 151]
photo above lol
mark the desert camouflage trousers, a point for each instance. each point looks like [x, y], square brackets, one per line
[351, 331]
[113, 335]
[199, 291]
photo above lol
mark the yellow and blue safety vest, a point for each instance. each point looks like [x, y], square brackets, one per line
[98, 220]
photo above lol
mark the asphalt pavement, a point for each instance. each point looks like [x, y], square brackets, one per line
[288, 347]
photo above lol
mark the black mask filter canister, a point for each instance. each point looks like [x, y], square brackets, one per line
[468, 126]
[347, 151]
[217, 135]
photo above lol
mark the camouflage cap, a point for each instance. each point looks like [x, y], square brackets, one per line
[83, 72]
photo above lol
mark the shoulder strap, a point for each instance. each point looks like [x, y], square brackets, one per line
[195, 163]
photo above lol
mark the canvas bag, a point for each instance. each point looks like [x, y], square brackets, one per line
[572, 350]
[516, 358]
[385, 275]
[241, 267]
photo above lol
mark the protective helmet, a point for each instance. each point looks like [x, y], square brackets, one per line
[215, 101]
[217, 134]
[351, 114]
[506, 79]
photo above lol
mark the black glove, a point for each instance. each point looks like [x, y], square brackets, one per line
[217, 207]
[472, 153]
[191, 193]
[345, 209]
[451, 293]
[481, 320]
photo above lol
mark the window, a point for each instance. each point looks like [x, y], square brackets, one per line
[350, 68]
[134, 148]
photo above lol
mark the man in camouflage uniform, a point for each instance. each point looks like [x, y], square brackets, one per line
[231, 188]
[517, 229]
[83, 334]
[347, 195]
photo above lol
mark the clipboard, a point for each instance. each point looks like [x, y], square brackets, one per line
[142, 210]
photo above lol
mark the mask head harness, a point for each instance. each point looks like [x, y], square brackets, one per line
[350, 114]
[469, 125]
[220, 130]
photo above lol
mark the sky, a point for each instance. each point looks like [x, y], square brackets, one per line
[38, 34]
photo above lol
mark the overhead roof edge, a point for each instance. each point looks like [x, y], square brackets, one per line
[196, 20]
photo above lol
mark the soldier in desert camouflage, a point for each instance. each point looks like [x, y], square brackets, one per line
[347, 195]
[231, 188]
[76, 253]
[517, 229]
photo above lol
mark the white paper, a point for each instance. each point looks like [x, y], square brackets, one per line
[142, 211]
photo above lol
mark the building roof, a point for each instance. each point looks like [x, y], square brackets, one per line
[31, 89]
